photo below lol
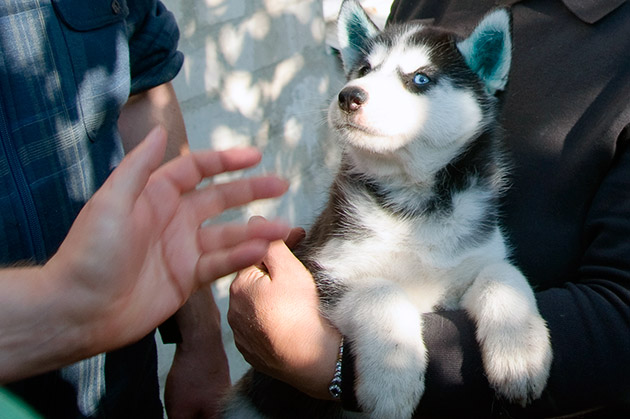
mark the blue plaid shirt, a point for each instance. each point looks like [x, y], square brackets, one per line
[66, 69]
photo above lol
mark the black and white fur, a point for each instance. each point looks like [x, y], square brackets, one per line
[411, 223]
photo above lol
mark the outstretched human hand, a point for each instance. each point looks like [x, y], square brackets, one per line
[137, 250]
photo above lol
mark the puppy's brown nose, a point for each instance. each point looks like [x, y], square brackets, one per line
[351, 98]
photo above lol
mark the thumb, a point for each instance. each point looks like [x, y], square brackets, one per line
[131, 176]
[280, 262]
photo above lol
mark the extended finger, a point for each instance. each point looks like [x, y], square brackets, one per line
[212, 200]
[214, 237]
[217, 264]
[186, 172]
[214, 265]
[295, 236]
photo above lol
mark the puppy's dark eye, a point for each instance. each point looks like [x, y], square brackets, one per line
[421, 79]
[363, 70]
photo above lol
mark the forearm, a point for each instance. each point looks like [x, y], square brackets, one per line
[199, 323]
[200, 375]
[38, 331]
[145, 110]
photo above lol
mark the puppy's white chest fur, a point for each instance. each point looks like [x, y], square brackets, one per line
[419, 254]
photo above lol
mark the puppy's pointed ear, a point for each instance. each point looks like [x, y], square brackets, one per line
[488, 50]
[354, 30]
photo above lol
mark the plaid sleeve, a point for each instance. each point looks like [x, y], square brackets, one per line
[153, 37]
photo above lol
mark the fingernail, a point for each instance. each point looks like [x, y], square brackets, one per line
[256, 219]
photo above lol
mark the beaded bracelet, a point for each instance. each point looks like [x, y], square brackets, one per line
[335, 384]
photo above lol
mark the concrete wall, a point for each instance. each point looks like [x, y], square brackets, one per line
[257, 72]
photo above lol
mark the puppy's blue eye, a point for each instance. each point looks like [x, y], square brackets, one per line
[421, 79]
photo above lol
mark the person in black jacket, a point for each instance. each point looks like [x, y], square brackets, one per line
[567, 215]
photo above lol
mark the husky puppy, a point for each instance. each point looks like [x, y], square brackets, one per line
[411, 223]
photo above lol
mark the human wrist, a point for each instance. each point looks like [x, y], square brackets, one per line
[71, 310]
[85, 303]
[36, 335]
[199, 322]
[314, 367]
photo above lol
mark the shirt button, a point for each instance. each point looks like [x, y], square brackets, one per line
[116, 7]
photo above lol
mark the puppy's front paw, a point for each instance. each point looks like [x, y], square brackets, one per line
[385, 330]
[518, 366]
[514, 340]
[391, 383]
[391, 361]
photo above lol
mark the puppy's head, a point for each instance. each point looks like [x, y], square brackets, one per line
[417, 89]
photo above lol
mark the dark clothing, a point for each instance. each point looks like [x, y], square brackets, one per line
[66, 69]
[567, 213]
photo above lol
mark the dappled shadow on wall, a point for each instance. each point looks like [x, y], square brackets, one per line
[258, 73]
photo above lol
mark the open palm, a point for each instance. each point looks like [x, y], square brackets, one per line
[137, 250]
